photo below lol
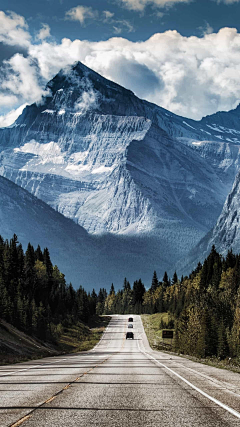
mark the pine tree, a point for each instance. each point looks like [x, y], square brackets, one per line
[39, 254]
[175, 278]
[112, 290]
[47, 262]
[155, 283]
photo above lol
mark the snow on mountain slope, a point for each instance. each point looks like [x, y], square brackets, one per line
[114, 163]
[90, 261]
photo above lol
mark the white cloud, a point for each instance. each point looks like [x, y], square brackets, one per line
[227, 1]
[139, 5]
[13, 29]
[9, 118]
[88, 100]
[108, 15]
[122, 25]
[7, 100]
[81, 13]
[206, 29]
[21, 79]
[191, 76]
[44, 33]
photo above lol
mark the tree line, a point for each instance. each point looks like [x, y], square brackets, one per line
[204, 306]
[34, 295]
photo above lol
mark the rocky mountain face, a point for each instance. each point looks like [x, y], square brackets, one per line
[87, 260]
[225, 235]
[116, 164]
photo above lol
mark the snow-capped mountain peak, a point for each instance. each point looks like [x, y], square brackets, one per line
[117, 164]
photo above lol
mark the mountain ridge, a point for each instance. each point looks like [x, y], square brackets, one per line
[116, 164]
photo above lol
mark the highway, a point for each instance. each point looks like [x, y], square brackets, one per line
[118, 383]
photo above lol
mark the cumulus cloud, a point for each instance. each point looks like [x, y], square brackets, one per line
[21, 79]
[13, 29]
[139, 5]
[191, 76]
[81, 13]
[44, 32]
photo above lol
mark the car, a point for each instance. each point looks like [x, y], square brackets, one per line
[130, 319]
[130, 335]
[130, 326]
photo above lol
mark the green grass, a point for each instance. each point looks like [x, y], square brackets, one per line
[151, 323]
[16, 346]
[82, 337]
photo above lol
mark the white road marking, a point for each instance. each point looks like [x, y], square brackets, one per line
[220, 384]
[217, 402]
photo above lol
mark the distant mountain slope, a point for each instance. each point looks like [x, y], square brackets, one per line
[117, 164]
[90, 261]
[225, 235]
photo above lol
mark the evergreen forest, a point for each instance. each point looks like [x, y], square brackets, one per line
[204, 307]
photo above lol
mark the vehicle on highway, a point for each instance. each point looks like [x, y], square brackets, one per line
[130, 319]
[130, 326]
[130, 335]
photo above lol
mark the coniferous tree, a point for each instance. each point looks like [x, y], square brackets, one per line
[175, 278]
[155, 283]
[112, 290]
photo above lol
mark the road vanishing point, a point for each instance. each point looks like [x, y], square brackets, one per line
[119, 383]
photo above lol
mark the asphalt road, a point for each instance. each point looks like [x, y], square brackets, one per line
[119, 383]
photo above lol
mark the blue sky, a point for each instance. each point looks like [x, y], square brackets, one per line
[181, 54]
[190, 18]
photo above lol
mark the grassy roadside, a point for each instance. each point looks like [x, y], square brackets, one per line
[152, 322]
[152, 325]
[16, 346]
[83, 337]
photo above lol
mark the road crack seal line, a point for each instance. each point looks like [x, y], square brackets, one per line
[50, 399]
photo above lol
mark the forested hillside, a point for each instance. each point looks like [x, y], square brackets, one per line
[34, 295]
[204, 306]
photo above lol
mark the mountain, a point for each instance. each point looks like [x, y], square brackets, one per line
[116, 164]
[90, 261]
[225, 235]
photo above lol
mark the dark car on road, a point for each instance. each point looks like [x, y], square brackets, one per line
[130, 325]
[129, 335]
[130, 319]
